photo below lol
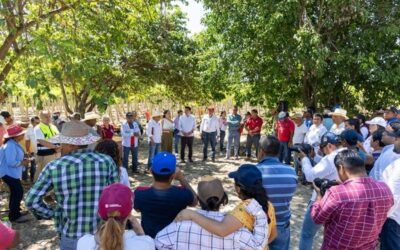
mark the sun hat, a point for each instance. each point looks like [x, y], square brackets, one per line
[247, 175]
[340, 112]
[75, 133]
[210, 187]
[164, 163]
[14, 131]
[377, 121]
[156, 113]
[115, 198]
[91, 116]
[297, 115]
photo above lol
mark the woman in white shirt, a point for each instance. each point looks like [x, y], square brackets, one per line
[115, 206]
[167, 132]
[111, 148]
[316, 131]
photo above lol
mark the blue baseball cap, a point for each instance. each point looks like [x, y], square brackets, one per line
[246, 175]
[164, 163]
[351, 137]
[329, 137]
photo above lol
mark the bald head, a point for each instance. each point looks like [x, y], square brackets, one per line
[45, 116]
[269, 146]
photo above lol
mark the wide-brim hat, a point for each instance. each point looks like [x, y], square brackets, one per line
[90, 116]
[340, 112]
[14, 131]
[156, 114]
[297, 115]
[75, 133]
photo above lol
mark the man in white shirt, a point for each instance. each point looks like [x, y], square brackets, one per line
[130, 133]
[209, 128]
[31, 148]
[390, 236]
[154, 132]
[187, 125]
[325, 169]
[338, 117]
[300, 129]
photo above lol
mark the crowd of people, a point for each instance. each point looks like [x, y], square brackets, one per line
[80, 179]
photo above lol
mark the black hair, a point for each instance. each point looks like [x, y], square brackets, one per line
[362, 118]
[377, 136]
[213, 203]
[355, 123]
[5, 114]
[270, 145]
[254, 111]
[223, 112]
[161, 177]
[110, 148]
[180, 111]
[256, 192]
[248, 113]
[165, 113]
[319, 115]
[188, 108]
[350, 160]
[396, 128]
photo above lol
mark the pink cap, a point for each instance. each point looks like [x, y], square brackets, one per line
[115, 198]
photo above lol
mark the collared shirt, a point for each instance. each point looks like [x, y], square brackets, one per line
[391, 176]
[325, 169]
[353, 214]
[280, 183]
[387, 156]
[299, 133]
[30, 136]
[154, 130]
[77, 180]
[367, 145]
[337, 129]
[285, 129]
[176, 122]
[222, 124]
[394, 119]
[11, 157]
[234, 122]
[187, 123]
[328, 122]
[314, 135]
[209, 124]
[127, 132]
[308, 122]
[187, 235]
[254, 124]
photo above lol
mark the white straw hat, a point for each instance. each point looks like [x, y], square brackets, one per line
[75, 133]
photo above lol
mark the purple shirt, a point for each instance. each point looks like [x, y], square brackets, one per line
[353, 214]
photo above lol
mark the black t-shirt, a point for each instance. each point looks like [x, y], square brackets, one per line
[160, 207]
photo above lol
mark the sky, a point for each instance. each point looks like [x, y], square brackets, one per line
[195, 12]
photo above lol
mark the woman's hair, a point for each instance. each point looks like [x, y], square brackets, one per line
[111, 233]
[223, 112]
[377, 136]
[319, 115]
[165, 113]
[362, 118]
[110, 148]
[355, 123]
[256, 192]
[213, 203]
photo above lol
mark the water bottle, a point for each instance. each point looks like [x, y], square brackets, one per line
[6, 221]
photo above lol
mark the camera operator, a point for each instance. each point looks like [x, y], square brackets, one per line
[354, 211]
[325, 169]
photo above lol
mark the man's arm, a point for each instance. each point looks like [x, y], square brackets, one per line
[181, 178]
[318, 171]
[322, 210]
[149, 132]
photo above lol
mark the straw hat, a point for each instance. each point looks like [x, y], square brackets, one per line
[340, 112]
[91, 116]
[75, 133]
[14, 131]
[156, 113]
[297, 115]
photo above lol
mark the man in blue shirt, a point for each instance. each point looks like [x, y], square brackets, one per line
[233, 121]
[161, 203]
[390, 115]
[280, 183]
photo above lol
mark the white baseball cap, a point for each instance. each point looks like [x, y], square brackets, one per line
[377, 121]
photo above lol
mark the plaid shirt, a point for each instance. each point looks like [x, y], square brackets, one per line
[187, 235]
[77, 180]
[353, 214]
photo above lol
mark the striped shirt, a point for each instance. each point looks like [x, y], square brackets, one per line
[280, 183]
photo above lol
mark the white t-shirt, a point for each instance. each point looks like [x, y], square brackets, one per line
[131, 242]
[299, 133]
[391, 176]
[30, 136]
[124, 178]
[154, 130]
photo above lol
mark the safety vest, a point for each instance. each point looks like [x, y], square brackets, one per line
[48, 130]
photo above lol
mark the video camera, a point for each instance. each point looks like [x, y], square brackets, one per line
[324, 184]
[304, 147]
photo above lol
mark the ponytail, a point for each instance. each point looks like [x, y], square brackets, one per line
[110, 235]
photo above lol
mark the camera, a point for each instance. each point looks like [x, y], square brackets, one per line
[305, 148]
[324, 184]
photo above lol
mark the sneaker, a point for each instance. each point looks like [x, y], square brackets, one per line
[22, 219]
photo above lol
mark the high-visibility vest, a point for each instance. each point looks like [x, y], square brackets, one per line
[48, 130]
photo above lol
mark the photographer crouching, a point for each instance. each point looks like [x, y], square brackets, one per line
[325, 169]
[354, 211]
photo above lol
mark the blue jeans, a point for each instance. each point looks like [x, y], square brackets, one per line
[32, 170]
[68, 243]
[134, 151]
[252, 140]
[308, 231]
[153, 150]
[177, 137]
[284, 154]
[233, 136]
[209, 138]
[390, 235]
[221, 140]
[282, 241]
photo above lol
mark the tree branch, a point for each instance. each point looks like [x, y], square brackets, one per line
[64, 94]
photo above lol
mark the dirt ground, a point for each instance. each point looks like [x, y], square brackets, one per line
[40, 235]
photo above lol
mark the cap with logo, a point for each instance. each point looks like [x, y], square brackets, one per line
[116, 199]
[331, 138]
[164, 163]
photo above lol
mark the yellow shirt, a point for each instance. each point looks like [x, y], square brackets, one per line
[247, 219]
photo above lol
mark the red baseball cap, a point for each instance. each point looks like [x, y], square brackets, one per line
[116, 198]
